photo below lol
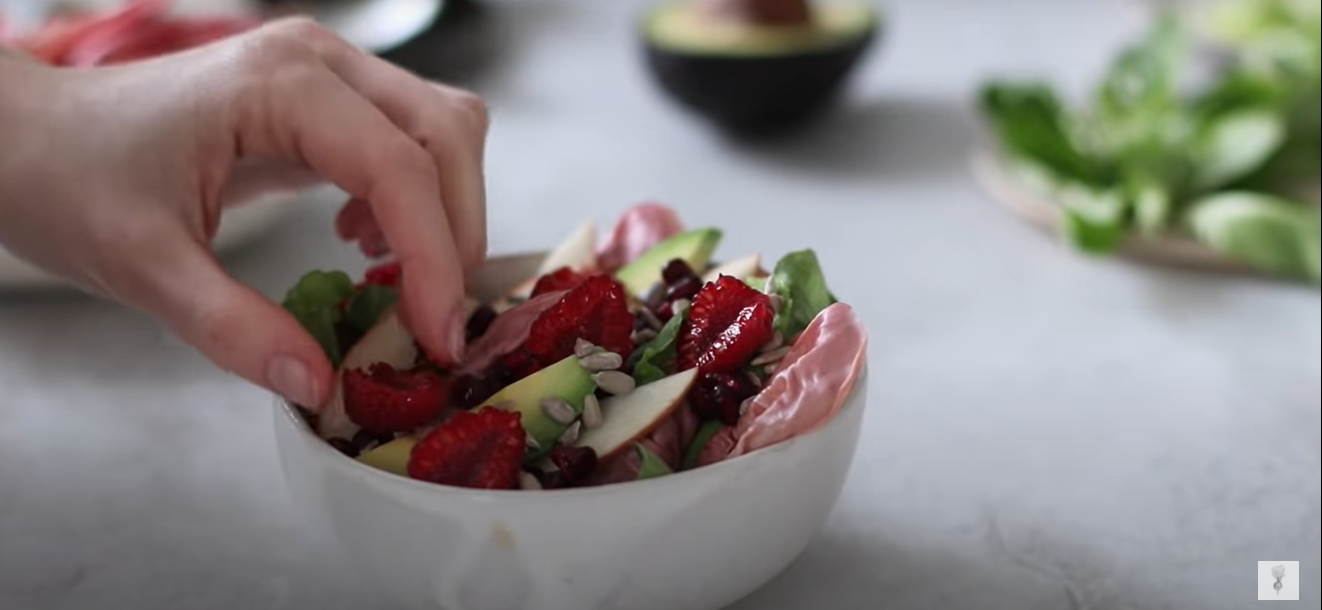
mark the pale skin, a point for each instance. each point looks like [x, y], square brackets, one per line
[115, 178]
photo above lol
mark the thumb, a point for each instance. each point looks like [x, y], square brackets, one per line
[240, 330]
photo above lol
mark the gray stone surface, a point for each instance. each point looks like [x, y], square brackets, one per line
[1047, 432]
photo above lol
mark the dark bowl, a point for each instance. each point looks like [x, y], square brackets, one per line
[758, 94]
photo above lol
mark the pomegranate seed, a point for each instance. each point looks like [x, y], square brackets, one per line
[676, 271]
[686, 288]
[469, 391]
[345, 447]
[549, 480]
[364, 439]
[480, 321]
[718, 396]
[665, 311]
[575, 463]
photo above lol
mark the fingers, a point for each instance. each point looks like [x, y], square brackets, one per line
[237, 328]
[311, 116]
[451, 124]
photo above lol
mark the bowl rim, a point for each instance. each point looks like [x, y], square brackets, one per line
[290, 414]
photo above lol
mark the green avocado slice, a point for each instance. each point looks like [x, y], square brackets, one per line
[566, 380]
[679, 28]
[392, 457]
[694, 247]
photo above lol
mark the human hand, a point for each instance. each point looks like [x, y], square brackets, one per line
[115, 178]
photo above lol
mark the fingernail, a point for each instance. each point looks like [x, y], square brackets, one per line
[290, 378]
[458, 333]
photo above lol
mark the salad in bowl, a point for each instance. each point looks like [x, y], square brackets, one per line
[634, 358]
[634, 426]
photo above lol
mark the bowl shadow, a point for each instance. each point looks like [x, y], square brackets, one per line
[1000, 570]
[896, 139]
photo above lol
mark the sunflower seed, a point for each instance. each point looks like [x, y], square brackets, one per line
[614, 382]
[584, 348]
[592, 417]
[528, 482]
[650, 318]
[679, 306]
[776, 341]
[771, 369]
[601, 361]
[643, 335]
[571, 434]
[558, 410]
[777, 301]
[654, 293]
[775, 355]
[752, 377]
[532, 443]
[743, 406]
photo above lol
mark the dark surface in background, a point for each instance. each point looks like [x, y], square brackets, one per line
[462, 43]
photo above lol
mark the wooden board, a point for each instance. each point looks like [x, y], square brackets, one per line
[1170, 251]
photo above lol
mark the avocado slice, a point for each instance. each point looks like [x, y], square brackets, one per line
[694, 247]
[392, 457]
[756, 71]
[566, 380]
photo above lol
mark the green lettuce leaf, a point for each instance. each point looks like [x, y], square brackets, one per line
[1272, 234]
[798, 280]
[653, 360]
[314, 301]
[367, 305]
[1143, 79]
[653, 466]
[705, 433]
[1235, 145]
[1031, 123]
[1094, 219]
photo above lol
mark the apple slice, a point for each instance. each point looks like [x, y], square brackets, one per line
[387, 342]
[741, 268]
[578, 252]
[631, 417]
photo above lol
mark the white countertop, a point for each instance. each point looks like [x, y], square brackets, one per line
[1047, 432]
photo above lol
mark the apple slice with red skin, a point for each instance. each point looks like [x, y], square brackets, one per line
[387, 342]
[629, 418]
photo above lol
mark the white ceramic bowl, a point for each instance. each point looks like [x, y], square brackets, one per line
[696, 540]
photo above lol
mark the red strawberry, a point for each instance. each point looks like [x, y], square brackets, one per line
[383, 399]
[477, 449]
[728, 323]
[563, 278]
[595, 311]
[385, 274]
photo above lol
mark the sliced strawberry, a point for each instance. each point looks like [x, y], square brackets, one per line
[728, 323]
[595, 311]
[476, 449]
[385, 274]
[563, 278]
[384, 399]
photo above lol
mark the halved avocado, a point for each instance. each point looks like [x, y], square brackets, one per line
[757, 66]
